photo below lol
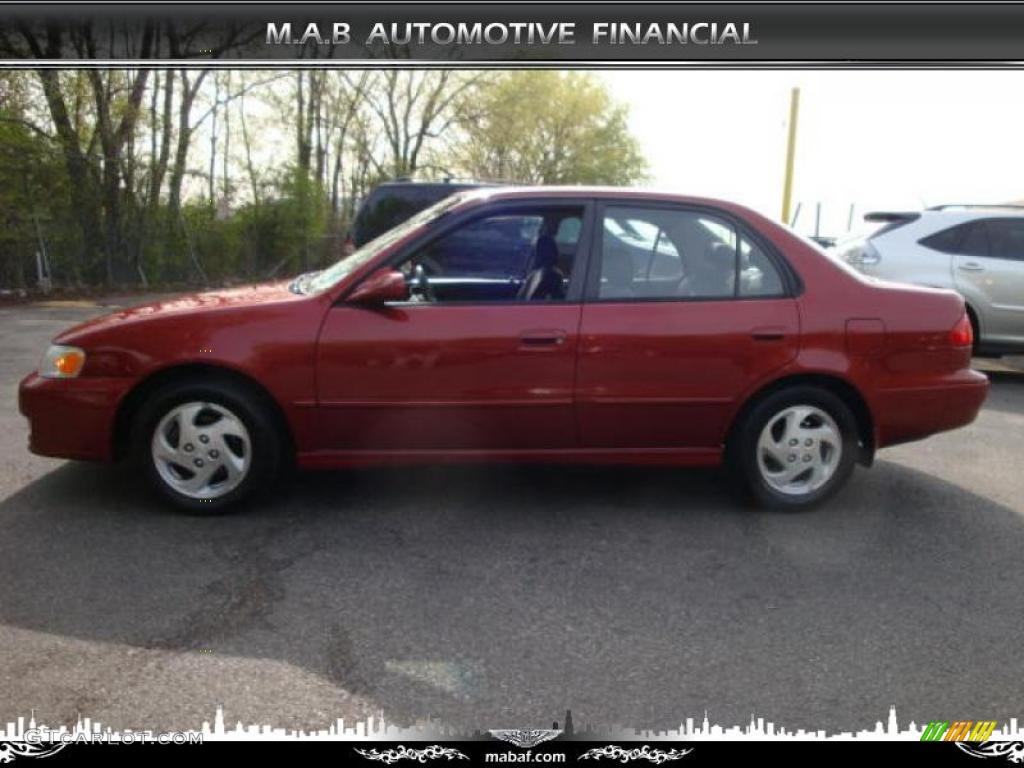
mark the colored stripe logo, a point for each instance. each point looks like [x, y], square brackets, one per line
[959, 730]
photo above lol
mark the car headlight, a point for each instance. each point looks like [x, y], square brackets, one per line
[62, 362]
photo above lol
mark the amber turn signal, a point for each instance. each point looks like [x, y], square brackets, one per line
[62, 362]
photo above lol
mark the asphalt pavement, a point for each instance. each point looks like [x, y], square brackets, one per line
[501, 596]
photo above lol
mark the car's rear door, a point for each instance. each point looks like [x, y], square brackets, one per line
[475, 369]
[669, 337]
[990, 272]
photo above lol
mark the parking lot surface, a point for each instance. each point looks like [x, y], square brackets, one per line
[501, 596]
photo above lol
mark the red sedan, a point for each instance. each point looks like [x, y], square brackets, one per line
[542, 324]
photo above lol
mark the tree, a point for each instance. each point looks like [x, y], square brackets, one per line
[32, 188]
[346, 100]
[111, 172]
[101, 186]
[548, 127]
[415, 108]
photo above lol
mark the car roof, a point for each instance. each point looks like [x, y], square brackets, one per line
[918, 223]
[600, 192]
[453, 183]
[969, 212]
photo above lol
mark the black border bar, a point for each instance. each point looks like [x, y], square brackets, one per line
[224, 33]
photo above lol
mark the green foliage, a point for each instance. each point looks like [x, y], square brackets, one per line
[287, 215]
[33, 191]
[280, 236]
[275, 238]
[548, 127]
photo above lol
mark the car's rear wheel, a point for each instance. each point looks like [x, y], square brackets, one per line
[976, 348]
[796, 447]
[205, 446]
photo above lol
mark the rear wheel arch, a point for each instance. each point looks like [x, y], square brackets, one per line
[838, 386]
[197, 373]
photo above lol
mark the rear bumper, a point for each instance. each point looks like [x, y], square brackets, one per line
[911, 413]
[71, 418]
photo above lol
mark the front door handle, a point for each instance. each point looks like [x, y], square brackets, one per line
[971, 266]
[542, 339]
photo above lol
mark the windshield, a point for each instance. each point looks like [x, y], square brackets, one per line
[317, 282]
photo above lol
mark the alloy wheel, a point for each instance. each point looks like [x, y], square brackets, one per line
[799, 450]
[201, 450]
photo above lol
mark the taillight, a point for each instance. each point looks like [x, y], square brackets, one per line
[861, 254]
[962, 334]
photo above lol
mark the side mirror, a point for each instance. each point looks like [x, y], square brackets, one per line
[382, 286]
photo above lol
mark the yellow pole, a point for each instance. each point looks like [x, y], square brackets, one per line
[787, 188]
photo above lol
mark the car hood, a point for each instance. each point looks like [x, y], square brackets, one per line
[186, 305]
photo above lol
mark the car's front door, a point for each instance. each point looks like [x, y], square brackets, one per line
[990, 273]
[684, 311]
[481, 357]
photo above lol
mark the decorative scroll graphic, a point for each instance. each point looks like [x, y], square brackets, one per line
[1013, 751]
[526, 737]
[11, 750]
[391, 756]
[626, 755]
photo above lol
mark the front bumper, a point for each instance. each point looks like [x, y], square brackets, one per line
[71, 418]
[912, 413]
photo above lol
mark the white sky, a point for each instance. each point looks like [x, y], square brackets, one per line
[877, 139]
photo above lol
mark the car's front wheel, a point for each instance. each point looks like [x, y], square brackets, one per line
[796, 447]
[206, 445]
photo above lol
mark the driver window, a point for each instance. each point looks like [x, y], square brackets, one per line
[515, 256]
[664, 254]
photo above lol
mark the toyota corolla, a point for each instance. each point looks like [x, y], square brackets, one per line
[522, 324]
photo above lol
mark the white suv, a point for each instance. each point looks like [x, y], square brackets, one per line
[976, 250]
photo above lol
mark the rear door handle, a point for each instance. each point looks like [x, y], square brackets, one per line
[542, 339]
[971, 266]
[768, 333]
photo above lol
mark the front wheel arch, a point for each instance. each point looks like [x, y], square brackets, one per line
[137, 396]
[837, 386]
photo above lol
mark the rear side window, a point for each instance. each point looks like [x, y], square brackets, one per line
[947, 240]
[1006, 238]
[758, 275]
[975, 242]
[995, 238]
[657, 253]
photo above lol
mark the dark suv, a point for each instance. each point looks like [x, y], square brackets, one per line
[391, 203]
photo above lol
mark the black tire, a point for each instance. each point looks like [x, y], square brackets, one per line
[743, 451]
[265, 441]
[976, 348]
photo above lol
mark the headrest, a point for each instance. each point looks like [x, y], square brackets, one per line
[720, 254]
